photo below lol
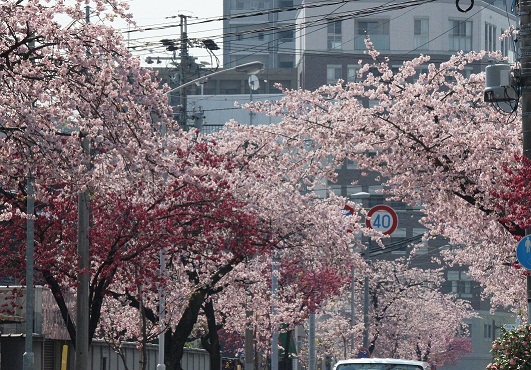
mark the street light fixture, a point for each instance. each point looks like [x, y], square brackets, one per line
[248, 68]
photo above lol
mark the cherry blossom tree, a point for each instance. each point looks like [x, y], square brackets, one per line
[411, 317]
[193, 213]
[216, 271]
[64, 81]
[434, 142]
[408, 316]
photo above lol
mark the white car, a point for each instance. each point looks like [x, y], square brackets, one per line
[380, 364]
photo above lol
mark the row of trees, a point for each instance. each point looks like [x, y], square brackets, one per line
[223, 207]
[219, 213]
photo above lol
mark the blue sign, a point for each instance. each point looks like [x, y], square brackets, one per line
[523, 252]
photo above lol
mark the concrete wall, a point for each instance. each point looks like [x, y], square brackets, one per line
[49, 355]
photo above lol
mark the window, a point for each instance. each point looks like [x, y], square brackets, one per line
[333, 73]
[254, 5]
[260, 36]
[461, 283]
[490, 37]
[352, 73]
[287, 35]
[460, 35]
[286, 3]
[334, 35]
[377, 31]
[421, 33]
[505, 45]
[487, 330]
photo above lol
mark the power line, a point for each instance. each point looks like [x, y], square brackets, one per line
[264, 48]
[345, 15]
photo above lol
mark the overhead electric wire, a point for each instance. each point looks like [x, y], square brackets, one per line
[264, 48]
[247, 15]
[346, 15]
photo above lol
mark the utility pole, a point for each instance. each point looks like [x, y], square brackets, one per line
[183, 111]
[274, 334]
[366, 313]
[273, 35]
[83, 274]
[162, 313]
[525, 84]
[28, 357]
[352, 311]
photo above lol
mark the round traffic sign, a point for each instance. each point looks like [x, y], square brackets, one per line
[382, 218]
[350, 212]
[523, 252]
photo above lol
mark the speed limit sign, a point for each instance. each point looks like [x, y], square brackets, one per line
[382, 218]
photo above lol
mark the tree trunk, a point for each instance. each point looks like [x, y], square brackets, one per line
[175, 340]
[285, 362]
[210, 340]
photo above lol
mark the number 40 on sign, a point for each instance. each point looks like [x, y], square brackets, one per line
[382, 218]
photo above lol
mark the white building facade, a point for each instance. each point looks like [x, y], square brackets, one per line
[262, 30]
[330, 49]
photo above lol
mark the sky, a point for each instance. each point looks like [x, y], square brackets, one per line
[165, 14]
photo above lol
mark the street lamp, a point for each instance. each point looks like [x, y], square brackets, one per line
[248, 68]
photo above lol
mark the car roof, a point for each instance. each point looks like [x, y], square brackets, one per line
[380, 361]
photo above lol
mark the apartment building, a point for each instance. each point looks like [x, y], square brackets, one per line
[262, 30]
[330, 49]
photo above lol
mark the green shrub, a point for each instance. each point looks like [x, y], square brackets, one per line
[511, 351]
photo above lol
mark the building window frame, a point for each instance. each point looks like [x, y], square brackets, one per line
[334, 34]
[376, 29]
[287, 34]
[333, 73]
[490, 37]
[460, 35]
[421, 33]
[352, 73]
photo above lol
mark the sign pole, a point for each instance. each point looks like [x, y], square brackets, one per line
[524, 8]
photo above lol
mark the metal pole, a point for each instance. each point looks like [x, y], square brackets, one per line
[162, 313]
[249, 342]
[311, 339]
[83, 275]
[251, 86]
[183, 116]
[28, 357]
[366, 313]
[274, 336]
[352, 310]
[525, 73]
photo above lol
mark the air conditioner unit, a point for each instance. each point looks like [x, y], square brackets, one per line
[500, 85]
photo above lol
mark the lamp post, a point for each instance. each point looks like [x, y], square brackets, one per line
[248, 68]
